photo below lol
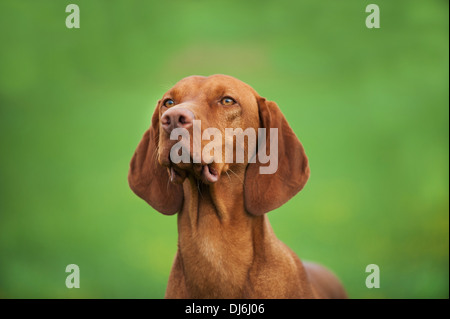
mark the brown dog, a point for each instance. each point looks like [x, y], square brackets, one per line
[226, 246]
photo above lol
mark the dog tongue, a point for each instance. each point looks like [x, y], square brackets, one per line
[210, 174]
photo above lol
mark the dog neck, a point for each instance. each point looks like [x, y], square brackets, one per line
[212, 226]
[220, 203]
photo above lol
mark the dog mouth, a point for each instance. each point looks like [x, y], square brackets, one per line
[206, 173]
[176, 176]
[210, 174]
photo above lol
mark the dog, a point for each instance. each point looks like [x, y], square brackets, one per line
[226, 245]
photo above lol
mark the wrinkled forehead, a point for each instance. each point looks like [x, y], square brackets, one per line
[211, 86]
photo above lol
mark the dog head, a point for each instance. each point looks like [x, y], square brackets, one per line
[205, 127]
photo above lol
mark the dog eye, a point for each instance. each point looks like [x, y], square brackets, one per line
[227, 101]
[169, 103]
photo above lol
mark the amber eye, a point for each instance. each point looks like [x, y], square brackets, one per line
[169, 103]
[227, 101]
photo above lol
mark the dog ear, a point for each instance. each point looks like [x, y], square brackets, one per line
[148, 179]
[265, 192]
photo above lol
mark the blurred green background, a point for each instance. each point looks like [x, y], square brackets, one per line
[369, 105]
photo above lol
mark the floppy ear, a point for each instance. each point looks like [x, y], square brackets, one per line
[265, 192]
[148, 179]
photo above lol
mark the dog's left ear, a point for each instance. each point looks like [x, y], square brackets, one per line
[266, 192]
[148, 179]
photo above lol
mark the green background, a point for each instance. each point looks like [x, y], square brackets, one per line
[369, 105]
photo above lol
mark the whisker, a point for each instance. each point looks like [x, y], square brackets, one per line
[156, 152]
[198, 187]
[236, 175]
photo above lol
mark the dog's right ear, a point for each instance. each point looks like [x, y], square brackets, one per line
[266, 192]
[148, 179]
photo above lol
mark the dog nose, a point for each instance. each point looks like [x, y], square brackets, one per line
[176, 118]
